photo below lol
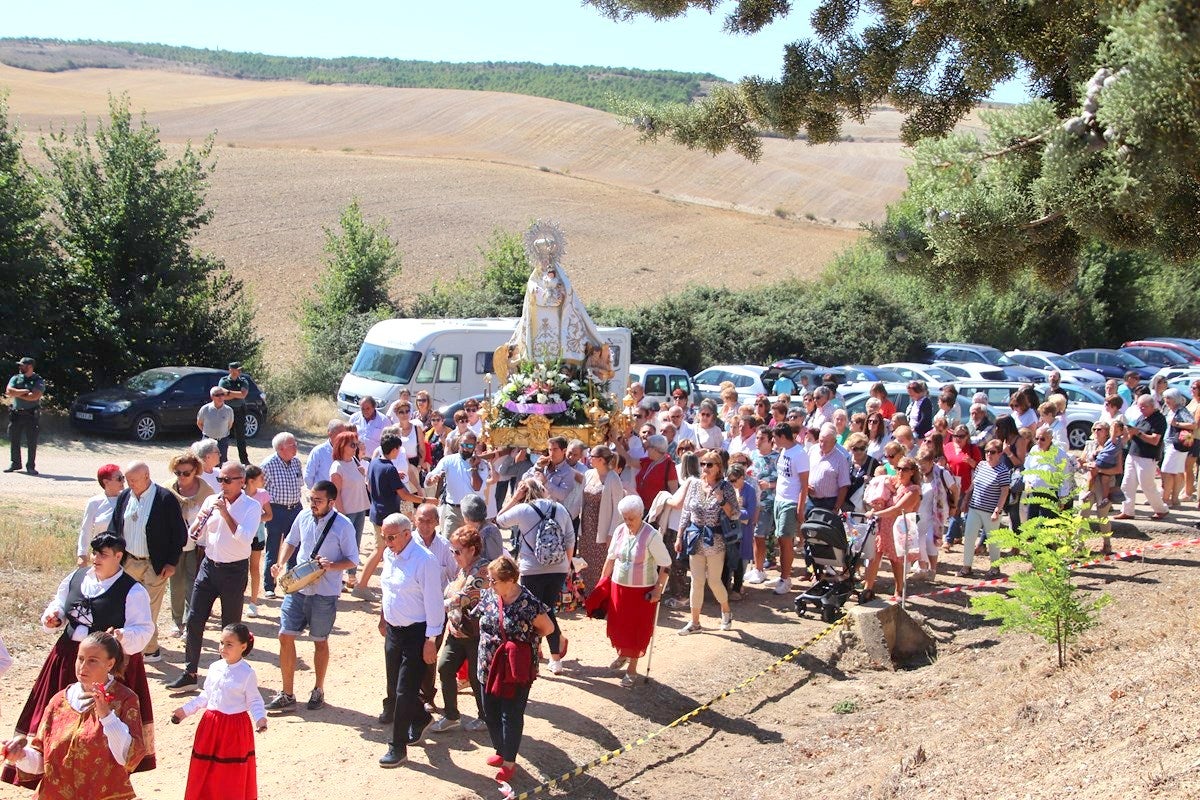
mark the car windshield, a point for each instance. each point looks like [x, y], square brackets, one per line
[939, 374]
[385, 364]
[1131, 362]
[995, 357]
[1062, 362]
[152, 381]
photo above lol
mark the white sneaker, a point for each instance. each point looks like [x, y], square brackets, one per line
[727, 622]
[783, 586]
[251, 610]
[556, 666]
[691, 627]
[473, 725]
[755, 576]
[444, 724]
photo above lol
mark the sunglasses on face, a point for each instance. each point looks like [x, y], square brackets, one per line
[858, 449]
[455, 552]
[709, 464]
[991, 452]
[122, 477]
[179, 473]
[230, 480]
[391, 537]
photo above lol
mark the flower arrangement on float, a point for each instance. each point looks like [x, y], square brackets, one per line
[549, 390]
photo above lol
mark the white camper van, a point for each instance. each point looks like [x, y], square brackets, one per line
[446, 357]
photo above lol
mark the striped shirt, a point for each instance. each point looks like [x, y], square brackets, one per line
[986, 485]
[283, 479]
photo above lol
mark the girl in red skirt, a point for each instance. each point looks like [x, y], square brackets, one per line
[222, 765]
[638, 566]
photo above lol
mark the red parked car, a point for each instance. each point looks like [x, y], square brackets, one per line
[1140, 346]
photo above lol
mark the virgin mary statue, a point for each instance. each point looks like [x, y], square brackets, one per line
[554, 326]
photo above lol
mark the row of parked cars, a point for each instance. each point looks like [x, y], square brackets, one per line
[970, 367]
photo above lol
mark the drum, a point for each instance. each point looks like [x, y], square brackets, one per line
[300, 576]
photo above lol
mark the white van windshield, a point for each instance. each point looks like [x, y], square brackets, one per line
[385, 364]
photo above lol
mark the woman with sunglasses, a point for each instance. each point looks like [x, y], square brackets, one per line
[906, 497]
[349, 474]
[989, 494]
[862, 469]
[461, 643]
[98, 512]
[507, 611]
[708, 502]
[599, 518]
[191, 492]
[877, 435]
[961, 459]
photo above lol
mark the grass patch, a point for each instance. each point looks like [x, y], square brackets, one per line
[37, 538]
[811, 217]
[782, 213]
[306, 415]
[847, 706]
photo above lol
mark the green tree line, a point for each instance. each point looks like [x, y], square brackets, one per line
[98, 253]
[590, 86]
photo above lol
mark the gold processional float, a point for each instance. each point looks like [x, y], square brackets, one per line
[553, 373]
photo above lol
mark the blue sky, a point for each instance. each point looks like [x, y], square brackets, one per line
[546, 31]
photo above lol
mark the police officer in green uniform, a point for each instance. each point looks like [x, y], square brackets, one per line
[236, 388]
[25, 390]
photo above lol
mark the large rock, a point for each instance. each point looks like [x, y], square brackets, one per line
[888, 636]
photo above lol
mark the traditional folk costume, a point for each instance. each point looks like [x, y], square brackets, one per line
[87, 604]
[637, 559]
[223, 765]
[76, 756]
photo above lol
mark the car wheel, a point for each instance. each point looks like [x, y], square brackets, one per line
[1077, 435]
[252, 424]
[145, 427]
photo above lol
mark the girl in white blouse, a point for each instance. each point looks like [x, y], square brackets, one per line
[223, 753]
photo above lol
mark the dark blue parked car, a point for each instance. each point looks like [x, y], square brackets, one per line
[159, 400]
[1111, 363]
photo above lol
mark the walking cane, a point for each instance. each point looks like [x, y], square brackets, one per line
[653, 636]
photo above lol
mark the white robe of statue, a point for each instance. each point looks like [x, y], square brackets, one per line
[554, 324]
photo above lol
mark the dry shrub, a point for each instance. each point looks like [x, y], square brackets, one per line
[306, 415]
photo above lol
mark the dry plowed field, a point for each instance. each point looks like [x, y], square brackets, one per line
[446, 167]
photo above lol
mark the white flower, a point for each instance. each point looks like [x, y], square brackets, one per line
[523, 398]
[541, 398]
[555, 398]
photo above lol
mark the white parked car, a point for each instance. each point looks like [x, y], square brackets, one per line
[746, 378]
[1071, 371]
[1079, 417]
[965, 370]
[660, 381]
[912, 371]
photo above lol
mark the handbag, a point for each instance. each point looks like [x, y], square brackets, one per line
[512, 664]
[309, 572]
[1183, 442]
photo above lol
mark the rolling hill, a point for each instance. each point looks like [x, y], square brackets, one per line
[446, 167]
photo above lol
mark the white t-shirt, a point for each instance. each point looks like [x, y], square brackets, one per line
[793, 463]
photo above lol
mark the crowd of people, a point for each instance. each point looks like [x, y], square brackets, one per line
[477, 548]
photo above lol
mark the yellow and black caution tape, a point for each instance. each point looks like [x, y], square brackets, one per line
[612, 754]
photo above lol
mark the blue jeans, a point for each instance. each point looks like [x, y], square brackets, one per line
[282, 518]
[357, 519]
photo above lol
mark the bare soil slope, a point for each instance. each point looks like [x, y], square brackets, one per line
[447, 167]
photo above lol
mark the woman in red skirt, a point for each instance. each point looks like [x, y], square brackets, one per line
[223, 766]
[96, 598]
[638, 565]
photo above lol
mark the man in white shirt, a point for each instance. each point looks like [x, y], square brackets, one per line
[791, 494]
[439, 546]
[683, 428]
[465, 474]
[369, 423]
[225, 527]
[320, 459]
[411, 619]
[215, 420]
[314, 607]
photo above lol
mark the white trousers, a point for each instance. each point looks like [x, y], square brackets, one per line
[1139, 472]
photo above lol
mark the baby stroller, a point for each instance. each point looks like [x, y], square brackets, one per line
[835, 559]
